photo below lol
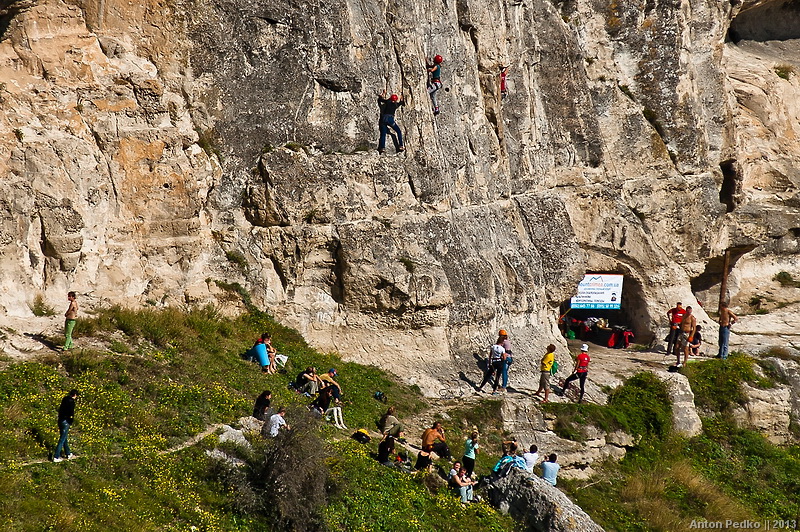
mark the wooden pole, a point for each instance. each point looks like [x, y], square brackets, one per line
[723, 287]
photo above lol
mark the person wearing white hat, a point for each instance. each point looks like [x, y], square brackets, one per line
[580, 372]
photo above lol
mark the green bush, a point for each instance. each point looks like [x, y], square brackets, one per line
[641, 407]
[717, 384]
[40, 308]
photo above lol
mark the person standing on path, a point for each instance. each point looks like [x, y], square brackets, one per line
[545, 367]
[494, 366]
[726, 319]
[675, 315]
[508, 356]
[388, 107]
[581, 371]
[66, 416]
[71, 316]
[686, 336]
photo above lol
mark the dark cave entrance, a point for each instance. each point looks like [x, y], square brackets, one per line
[778, 20]
[632, 315]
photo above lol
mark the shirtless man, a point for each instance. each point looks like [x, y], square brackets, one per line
[70, 316]
[687, 328]
[726, 319]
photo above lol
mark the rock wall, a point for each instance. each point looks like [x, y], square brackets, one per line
[150, 150]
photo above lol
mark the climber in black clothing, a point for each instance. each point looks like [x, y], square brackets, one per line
[388, 107]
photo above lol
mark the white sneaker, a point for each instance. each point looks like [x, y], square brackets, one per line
[679, 365]
[71, 456]
[57, 460]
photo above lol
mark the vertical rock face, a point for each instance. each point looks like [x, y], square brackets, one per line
[148, 150]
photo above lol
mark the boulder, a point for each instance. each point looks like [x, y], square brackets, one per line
[538, 505]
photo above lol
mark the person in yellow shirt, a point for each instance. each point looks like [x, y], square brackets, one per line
[545, 367]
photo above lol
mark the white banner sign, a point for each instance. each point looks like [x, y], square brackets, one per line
[598, 290]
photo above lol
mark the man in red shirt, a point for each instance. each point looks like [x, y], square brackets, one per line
[675, 315]
[580, 372]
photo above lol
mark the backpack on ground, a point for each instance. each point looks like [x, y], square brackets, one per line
[361, 436]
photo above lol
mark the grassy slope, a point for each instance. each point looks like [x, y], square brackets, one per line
[172, 374]
[667, 481]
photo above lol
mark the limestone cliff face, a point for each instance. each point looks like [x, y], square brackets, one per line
[148, 150]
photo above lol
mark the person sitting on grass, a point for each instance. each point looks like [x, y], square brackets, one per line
[389, 424]
[429, 443]
[424, 461]
[451, 476]
[464, 484]
[262, 405]
[322, 405]
[327, 380]
[277, 423]
[307, 382]
[385, 449]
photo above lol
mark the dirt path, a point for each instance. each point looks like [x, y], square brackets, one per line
[194, 440]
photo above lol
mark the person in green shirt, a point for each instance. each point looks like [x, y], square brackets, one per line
[545, 367]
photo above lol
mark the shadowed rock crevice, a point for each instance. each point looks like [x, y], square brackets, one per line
[776, 20]
[731, 184]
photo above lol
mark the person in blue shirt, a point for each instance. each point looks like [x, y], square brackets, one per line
[550, 469]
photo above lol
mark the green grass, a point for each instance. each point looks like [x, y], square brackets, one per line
[639, 407]
[717, 384]
[749, 468]
[666, 481]
[236, 258]
[784, 71]
[373, 497]
[786, 279]
[182, 371]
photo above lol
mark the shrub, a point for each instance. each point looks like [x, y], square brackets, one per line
[784, 71]
[641, 407]
[786, 279]
[40, 308]
[717, 384]
[234, 257]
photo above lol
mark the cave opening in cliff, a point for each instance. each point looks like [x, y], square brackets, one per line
[597, 325]
[730, 179]
[775, 20]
